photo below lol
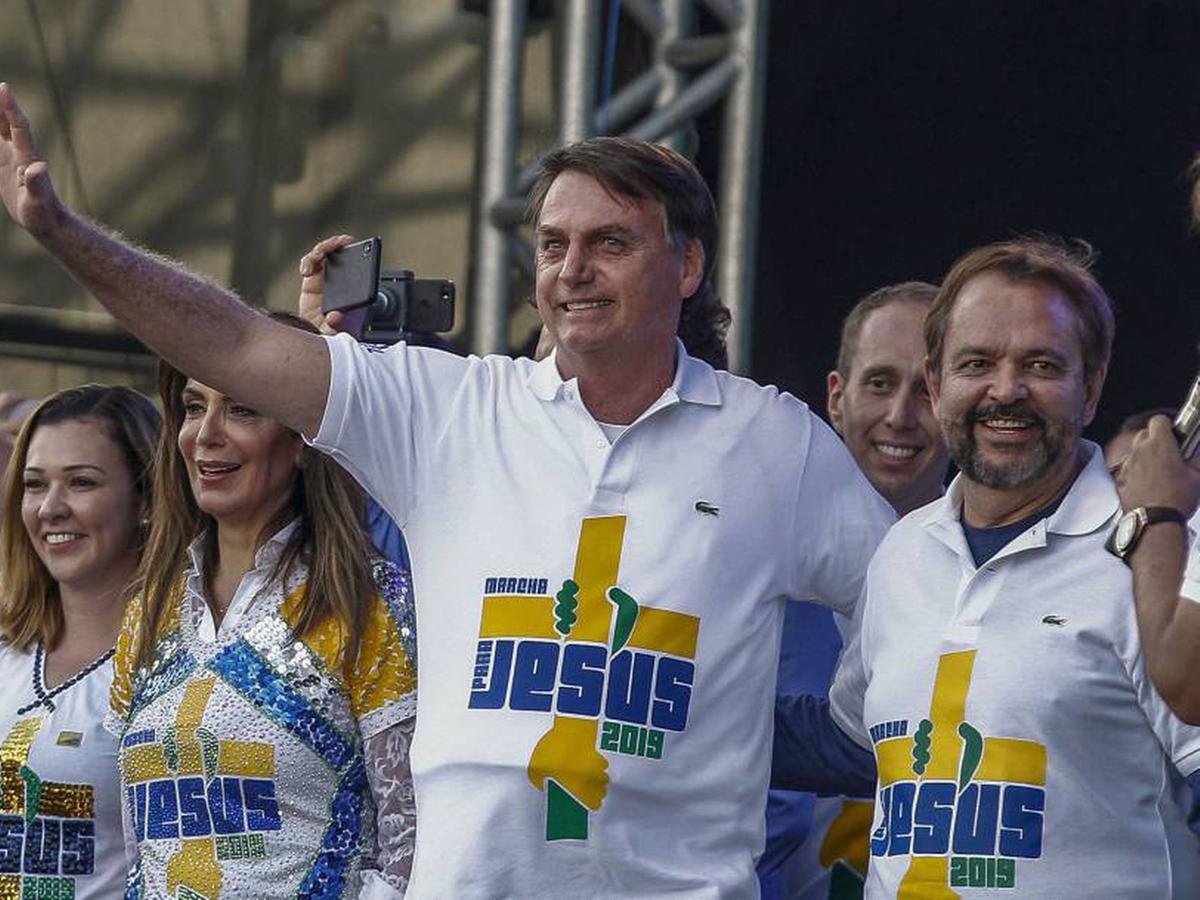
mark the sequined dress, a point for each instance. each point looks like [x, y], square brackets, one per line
[60, 807]
[248, 762]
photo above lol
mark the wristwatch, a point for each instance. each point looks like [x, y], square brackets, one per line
[1133, 524]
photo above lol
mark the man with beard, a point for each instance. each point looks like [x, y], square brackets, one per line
[996, 673]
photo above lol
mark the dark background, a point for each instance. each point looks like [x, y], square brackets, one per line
[900, 134]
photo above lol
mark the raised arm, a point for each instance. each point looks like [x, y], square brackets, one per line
[1168, 623]
[199, 327]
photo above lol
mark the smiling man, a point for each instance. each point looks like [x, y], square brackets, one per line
[602, 542]
[878, 403]
[996, 673]
[877, 399]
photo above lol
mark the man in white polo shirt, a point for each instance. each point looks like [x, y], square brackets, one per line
[601, 542]
[997, 674]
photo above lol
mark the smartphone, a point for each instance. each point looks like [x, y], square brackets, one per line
[352, 275]
[407, 304]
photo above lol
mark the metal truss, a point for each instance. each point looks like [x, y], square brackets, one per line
[689, 74]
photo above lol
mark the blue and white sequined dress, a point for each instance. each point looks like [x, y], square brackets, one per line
[242, 750]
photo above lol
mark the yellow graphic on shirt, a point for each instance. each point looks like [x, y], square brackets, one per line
[559, 653]
[847, 839]
[217, 796]
[964, 807]
[48, 825]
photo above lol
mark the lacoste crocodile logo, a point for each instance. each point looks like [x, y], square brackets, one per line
[1057, 621]
[703, 506]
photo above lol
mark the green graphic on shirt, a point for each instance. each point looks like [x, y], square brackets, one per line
[33, 793]
[566, 817]
[920, 749]
[565, 609]
[971, 755]
[627, 613]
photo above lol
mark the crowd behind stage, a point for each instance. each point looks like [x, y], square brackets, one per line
[329, 620]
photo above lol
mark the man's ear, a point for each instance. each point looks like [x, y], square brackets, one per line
[834, 388]
[933, 385]
[691, 272]
[1092, 389]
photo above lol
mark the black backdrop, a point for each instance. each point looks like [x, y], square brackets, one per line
[900, 133]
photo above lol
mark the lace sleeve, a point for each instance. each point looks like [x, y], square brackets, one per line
[390, 777]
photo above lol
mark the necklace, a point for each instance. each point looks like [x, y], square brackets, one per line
[45, 697]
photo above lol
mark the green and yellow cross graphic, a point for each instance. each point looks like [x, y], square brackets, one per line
[565, 762]
[947, 748]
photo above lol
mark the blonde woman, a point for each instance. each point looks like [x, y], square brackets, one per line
[75, 496]
[265, 687]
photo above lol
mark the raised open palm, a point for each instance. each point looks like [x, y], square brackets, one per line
[24, 177]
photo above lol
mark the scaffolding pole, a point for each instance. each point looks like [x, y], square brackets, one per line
[741, 163]
[501, 111]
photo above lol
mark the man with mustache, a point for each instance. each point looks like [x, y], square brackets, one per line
[996, 673]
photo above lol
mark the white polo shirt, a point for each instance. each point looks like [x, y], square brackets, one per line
[1191, 577]
[1019, 741]
[572, 740]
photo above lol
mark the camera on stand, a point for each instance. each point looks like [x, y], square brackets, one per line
[399, 303]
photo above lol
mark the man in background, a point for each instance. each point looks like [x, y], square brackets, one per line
[817, 847]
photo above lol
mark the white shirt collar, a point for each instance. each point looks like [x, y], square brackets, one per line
[248, 589]
[694, 382]
[265, 557]
[1090, 503]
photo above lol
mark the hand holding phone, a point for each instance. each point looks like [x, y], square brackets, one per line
[352, 275]
[312, 291]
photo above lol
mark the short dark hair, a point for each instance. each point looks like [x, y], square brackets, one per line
[852, 325]
[640, 169]
[1046, 260]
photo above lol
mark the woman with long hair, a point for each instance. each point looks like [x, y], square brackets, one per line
[265, 683]
[76, 494]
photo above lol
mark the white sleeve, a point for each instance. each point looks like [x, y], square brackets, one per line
[390, 777]
[384, 414]
[1180, 741]
[848, 691]
[838, 519]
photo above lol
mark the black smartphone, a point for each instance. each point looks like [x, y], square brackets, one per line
[409, 304]
[352, 275]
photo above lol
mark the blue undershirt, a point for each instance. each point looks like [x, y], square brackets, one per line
[987, 542]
